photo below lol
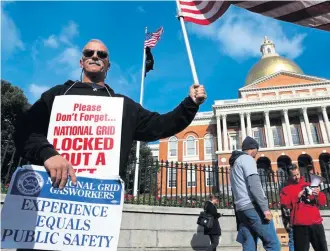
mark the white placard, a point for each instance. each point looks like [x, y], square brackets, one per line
[86, 130]
[83, 217]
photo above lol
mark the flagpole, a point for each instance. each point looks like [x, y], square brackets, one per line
[186, 40]
[137, 155]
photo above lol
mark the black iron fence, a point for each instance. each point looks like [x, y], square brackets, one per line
[187, 185]
[179, 184]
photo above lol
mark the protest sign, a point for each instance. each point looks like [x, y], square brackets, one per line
[86, 130]
[82, 217]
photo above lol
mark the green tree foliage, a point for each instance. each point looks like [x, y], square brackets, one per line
[13, 102]
[147, 169]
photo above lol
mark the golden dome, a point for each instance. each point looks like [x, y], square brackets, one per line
[270, 63]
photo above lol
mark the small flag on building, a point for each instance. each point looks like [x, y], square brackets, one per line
[150, 41]
[313, 14]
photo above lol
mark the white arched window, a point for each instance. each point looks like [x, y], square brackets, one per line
[208, 144]
[172, 147]
[191, 146]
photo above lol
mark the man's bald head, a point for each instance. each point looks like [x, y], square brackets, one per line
[95, 41]
[95, 60]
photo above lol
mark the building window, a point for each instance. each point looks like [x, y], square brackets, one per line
[173, 147]
[191, 177]
[234, 139]
[209, 144]
[315, 133]
[258, 135]
[277, 136]
[296, 135]
[191, 146]
[171, 177]
[210, 177]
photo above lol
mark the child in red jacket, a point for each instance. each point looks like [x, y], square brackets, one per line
[305, 215]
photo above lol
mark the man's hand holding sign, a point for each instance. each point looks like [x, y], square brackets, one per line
[59, 169]
[84, 129]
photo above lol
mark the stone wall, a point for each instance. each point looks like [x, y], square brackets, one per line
[170, 228]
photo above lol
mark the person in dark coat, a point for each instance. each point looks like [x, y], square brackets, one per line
[215, 232]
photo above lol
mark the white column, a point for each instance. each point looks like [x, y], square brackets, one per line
[288, 128]
[219, 134]
[266, 135]
[249, 126]
[303, 130]
[285, 133]
[225, 136]
[243, 131]
[270, 143]
[308, 127]
[326, 120]
[323, 131]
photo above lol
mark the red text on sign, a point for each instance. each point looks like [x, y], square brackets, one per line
[85, 144]
[105, 130]
[88, 108]
[77, 159]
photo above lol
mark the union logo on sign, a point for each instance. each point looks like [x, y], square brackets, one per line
[30, 183]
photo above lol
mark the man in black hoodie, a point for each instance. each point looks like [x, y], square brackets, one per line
[138, 123]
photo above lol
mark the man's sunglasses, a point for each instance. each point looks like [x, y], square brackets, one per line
[90, 53]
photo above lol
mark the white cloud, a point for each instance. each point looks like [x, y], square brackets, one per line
[11, 41]
[124, 81]
[51, 42]
[240, 34]
[69, 32]
[141, 9]
[37, 90]
[67, 63]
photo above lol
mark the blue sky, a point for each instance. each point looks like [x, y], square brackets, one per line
[41, 48]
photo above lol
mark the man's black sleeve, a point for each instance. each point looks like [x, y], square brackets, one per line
[30, 135]
[152, 126]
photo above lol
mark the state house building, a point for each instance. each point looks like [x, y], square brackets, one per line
[286, 111]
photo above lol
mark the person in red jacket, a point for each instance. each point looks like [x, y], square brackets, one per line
[305, 216]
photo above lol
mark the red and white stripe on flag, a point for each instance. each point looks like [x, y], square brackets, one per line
[202, 12]
[315, 14]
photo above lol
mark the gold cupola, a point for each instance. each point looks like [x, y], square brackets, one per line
[270, 63]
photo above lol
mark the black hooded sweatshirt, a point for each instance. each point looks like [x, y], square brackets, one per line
[138, 123]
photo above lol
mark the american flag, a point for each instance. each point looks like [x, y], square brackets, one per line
[153, 37]
[314, 14]
[202, 12]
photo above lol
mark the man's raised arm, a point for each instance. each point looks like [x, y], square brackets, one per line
[152, 126]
